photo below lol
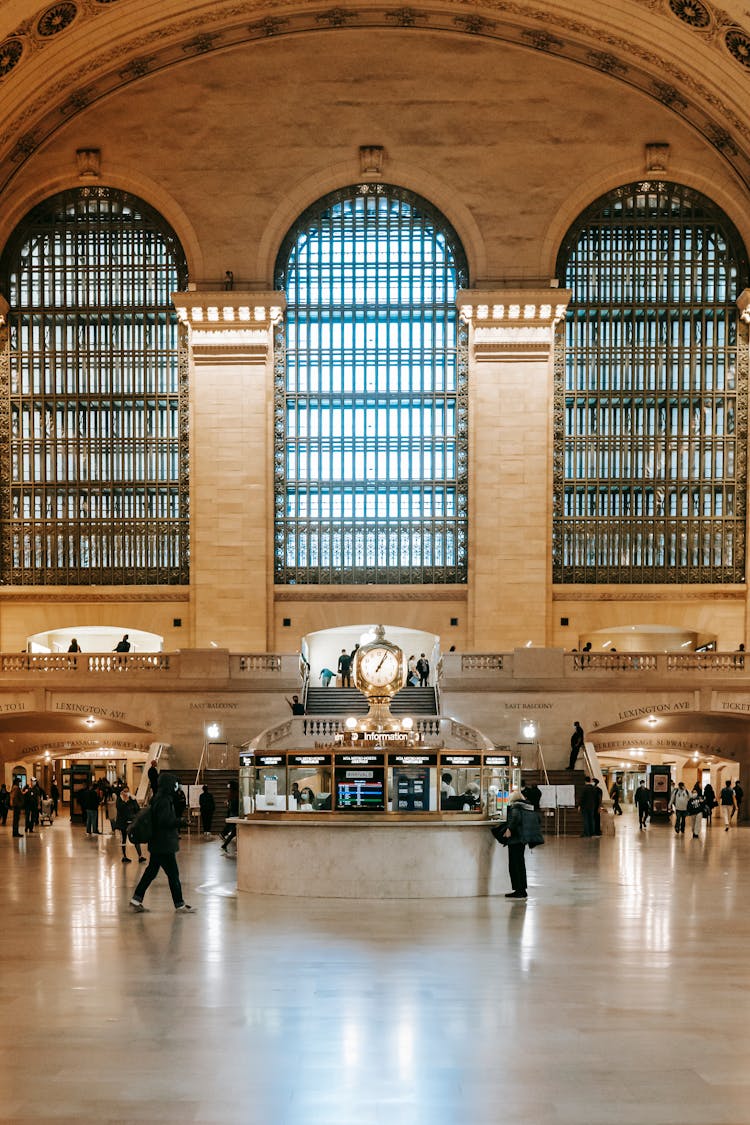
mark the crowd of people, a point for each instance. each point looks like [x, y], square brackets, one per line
[29, 800]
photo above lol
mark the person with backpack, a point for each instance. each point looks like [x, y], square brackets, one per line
[522, 828]
[127, 810]
[159, 823]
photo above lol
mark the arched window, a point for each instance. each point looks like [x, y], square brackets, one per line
[93, 474]
[651, 393]
[371, 396]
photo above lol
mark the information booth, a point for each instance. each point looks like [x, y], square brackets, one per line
[379, 806]
[384, 821]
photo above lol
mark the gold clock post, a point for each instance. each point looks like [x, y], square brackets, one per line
[379, 672]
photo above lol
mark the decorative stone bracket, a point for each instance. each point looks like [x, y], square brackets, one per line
[514, 323]
[743, 304]
[227, 326]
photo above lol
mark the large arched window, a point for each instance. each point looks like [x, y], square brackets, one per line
[371, 397]
[93, 385]
[651, 393]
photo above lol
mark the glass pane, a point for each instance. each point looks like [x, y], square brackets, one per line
[371, 392]
[651, 392]
[95, 478]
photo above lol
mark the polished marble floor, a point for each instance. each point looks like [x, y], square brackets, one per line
[618, 993]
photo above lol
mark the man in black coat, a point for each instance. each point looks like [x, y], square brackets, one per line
[588, 803]
[163, 846]
[642, 801]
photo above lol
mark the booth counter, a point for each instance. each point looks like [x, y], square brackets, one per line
[372, 856]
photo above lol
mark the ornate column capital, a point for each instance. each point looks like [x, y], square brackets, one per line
[512, 323]
[228, 325]
[743, 304]
[4, 310]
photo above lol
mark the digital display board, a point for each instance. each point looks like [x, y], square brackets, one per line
[360, 787]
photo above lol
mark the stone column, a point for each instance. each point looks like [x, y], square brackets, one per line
[231, 465]
[510, 463]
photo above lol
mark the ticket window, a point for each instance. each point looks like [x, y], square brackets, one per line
[412, 788]
[270, 785]
[496, 784]
[309, 790]
[461, 788]
[247, 786]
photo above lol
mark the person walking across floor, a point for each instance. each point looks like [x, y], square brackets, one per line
[4, 803]
[615, 795]
[728, 803]
[709, 801]
[344, 668]
[163, 846]
[90, 805]
[423, 670]
[233, 810]
[54, 793]
[598, 807]
[31, 807]
[739, 793]
[679, 803]
[642, 801]
[577, 740]
[207, 806]
[696, 806]
[127, 810]
[522, 828]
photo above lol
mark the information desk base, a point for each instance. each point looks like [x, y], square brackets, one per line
[369, 856]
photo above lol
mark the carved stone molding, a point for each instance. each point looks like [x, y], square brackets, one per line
[514, 323]
[370, 594]
[89, 163]
[591, 43]
[77, 595]
[226, 327]
[743, 304]
[659, 594]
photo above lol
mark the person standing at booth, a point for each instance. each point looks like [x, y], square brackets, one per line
[522, 828]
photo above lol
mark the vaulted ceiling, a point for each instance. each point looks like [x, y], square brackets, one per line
[58, 59]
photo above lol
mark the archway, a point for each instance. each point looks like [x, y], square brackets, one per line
[94, 638]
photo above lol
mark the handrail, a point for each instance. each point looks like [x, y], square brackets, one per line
[542, 763]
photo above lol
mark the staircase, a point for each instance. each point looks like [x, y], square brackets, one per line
[570, 820]
[350, 701]
[217, 782]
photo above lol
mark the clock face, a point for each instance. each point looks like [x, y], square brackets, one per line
[379, 666]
